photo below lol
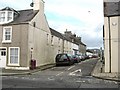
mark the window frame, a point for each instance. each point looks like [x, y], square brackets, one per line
[4, 50]
[14, 64]
[47, 39]
[6, 17]
[2, 16]
[4, 35]
[52, 40]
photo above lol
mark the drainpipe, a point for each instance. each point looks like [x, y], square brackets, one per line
[109, 44]
[63, 45]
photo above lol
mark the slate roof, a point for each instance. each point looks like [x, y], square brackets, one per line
[77, 41]
[25, 16]
[111, 9]
[58, 34]
[55, 33]
[82, 43]
[65, 37]
[22, 16]
[8, 9]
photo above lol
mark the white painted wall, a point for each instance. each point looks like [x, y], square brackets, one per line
[114, 30]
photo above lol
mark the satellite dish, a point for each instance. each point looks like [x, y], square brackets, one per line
[32, 4]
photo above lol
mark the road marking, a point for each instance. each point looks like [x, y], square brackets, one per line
[15, 77]
[22, 77]
[53, 68]
[3, 76]
[59, 73]
[33, 78]
[73, 73]
[51, 78]
[80, 81]
[71, 67]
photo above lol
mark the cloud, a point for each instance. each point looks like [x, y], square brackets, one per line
[87, 14]
[76, 8]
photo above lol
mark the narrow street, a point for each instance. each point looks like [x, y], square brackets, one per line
[75, 76]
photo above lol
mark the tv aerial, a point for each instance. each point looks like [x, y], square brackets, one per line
[32, 4]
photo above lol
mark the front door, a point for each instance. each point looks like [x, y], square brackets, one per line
[3, 57]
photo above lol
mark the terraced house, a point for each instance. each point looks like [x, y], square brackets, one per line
[26, 35]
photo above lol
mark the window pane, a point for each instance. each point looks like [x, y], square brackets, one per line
[11, 59]
[7, 37]
[3, 53]
[2, 16]
[7, 34]
[16, 59]
[14, 55]
[9, 16]
[7, 31]
[2, 19]
[16, 51]
[11, 51]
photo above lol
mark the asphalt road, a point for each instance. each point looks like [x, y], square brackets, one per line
[75, 76]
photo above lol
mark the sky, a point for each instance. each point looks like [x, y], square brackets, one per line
[82, 17]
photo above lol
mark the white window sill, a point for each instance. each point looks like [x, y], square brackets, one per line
[13, 65]
[6, 41]
[5, 22]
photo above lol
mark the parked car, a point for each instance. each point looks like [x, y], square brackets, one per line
[82, 58]
[94, 56]
[87, 57]
[90, 56]
[76, 58]
[63, 59]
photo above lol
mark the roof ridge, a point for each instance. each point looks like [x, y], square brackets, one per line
[25, 10]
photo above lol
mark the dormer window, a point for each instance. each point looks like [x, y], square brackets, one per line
[6, 16]
[10, 16]
[2, 16]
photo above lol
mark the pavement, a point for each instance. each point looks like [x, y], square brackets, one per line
[97, 72]
[10, 72]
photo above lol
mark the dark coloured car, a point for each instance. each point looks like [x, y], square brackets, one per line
[64, 59]
[76, 58]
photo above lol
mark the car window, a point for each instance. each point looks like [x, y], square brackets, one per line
[70, 57]
[73, 56]
[68, 54]
[63, 57]
[58, 56]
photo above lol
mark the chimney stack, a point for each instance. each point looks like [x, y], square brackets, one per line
[38, 5]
